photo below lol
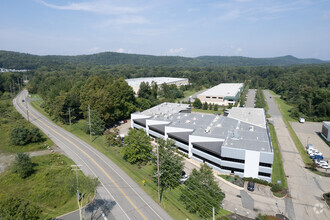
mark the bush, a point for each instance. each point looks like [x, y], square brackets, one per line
[22, 136]
[17, 208]
[23, 165]
[276, 188]
[263, 182]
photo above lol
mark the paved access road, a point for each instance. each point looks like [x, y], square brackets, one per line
[127, 199]
[250, 99]
[305, 187]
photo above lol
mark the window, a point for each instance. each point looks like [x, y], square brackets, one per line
[265, 164]
[208, 97]
[220, 97]
[214, 97]
[264, 174]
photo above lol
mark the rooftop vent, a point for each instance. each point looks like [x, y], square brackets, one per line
[178, 117]
[187, 121]
[251, 128]
[194, 118]
[219, 125]
[208, 129]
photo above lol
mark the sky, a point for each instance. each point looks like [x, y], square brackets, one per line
[190, 28]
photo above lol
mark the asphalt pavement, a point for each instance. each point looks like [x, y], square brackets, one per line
[127, 199]
[305, 188]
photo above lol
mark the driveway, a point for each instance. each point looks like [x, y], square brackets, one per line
[251, 94]
[242, 201]
[305, 188]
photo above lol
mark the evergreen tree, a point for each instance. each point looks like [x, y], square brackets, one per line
[197, 103]
[205, 106]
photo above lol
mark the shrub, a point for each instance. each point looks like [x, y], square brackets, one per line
[276, 188]
[22, 136]
[23, 165]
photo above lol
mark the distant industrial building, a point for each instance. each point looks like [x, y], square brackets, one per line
[326, 130]
[135, 82]
[238, 143]
[222, 94]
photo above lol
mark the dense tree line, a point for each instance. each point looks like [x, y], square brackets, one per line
[17, 60]
[306, 87]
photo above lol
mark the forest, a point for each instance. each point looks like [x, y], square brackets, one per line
[15, 60]
[74, 87]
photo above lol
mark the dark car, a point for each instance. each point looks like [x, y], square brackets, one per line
[250, 186]
[22, 100]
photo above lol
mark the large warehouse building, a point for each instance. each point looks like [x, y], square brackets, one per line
[222, 94]
[238, 143]
[135, 82]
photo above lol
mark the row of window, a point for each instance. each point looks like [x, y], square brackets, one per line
[232, 169]
[209, 97]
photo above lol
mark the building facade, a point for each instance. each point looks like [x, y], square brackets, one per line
[326, 130]
[135, 82]
[229, 144]
[222, 94]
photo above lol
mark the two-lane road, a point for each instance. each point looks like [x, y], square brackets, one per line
[128, 200]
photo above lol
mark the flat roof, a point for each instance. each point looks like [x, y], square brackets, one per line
[254, 116]
[224, 89]
[159, 80]
[234, 132]
[166, 109]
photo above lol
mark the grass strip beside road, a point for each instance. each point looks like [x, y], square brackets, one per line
[278, 170]
[170, 201]
[284, 109]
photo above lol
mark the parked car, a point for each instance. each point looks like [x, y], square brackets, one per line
[325, 166]
[316, 156]
[309, 146]
[22, 100]
[184, 177]
[250, 186]
[301, 120]
[320, 162]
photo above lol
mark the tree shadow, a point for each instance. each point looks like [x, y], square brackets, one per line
[99, 206]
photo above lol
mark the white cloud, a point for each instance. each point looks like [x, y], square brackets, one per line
[176, 51]
[239, 50]
[120, 50]
[98, 6]
[127, 20]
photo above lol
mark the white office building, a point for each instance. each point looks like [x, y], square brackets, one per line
[238, 143]
[222, 94]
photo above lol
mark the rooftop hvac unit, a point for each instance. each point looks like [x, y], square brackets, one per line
[251, 128]
[208, 129]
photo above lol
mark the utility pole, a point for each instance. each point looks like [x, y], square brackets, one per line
[14, 87]
[11, 92]
[90, 125]
[69, 116]
[158, 175]
[19, 86]
[213, 213]
[79, 200]
[27, 110]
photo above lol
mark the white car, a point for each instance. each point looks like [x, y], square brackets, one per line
[325, 166]
[184, 177]
[321, 162]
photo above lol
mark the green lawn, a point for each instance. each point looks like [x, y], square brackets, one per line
[53, 180]
[9, 119]
[138, 173]
[284, 109]
[278, 170]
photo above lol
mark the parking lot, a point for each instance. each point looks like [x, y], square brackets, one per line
[308, 134]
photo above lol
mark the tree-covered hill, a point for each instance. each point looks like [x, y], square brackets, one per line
[17, 60]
